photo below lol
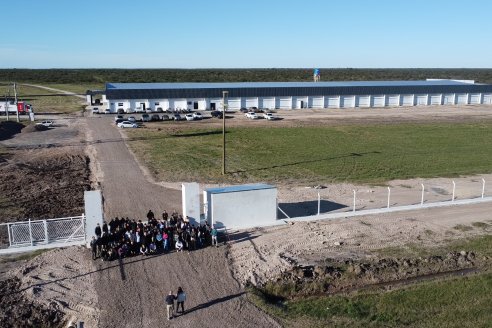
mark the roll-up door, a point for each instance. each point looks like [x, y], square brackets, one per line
[378, 101]
[435, 99]
[180, 104]
[318, 102]
[475, 98]
[448, 99]
[422, 100]
[462, 98]
[332, 102]
[408, 100]
[487, 99]
[393, 100]
[347, 101]
[285, 103]
[363, 101]
[267, 103]
[234, 103]
[251, 102]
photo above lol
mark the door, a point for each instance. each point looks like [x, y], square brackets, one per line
[435, 99]
[142, 105]
[234, 103]
[448, 99]
[475, 98]
[363, 101]
[378, 101]
[195, 105]
[318, 102]
[408, 100]
[462, 98]
[285, 103]
[268, 103]
[347, 101]
[422, 100]
[487, 99]
[212, 106]
[332, 102]
[393, 100]
[251, 102]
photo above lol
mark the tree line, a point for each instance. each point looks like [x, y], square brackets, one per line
[75, 76]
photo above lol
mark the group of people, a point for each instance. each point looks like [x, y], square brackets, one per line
[124, 237]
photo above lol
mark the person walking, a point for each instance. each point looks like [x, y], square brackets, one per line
[180, 299]
[170, 305]
[214, 237]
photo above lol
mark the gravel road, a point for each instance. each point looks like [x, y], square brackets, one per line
[127, 190]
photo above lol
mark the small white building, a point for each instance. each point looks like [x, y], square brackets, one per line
[240, 207]
[131, 97]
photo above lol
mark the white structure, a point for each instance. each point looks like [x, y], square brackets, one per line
[130, 97]
[93, 213]
[239, 207]
[191, 201]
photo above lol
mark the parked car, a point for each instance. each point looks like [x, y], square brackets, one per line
[46, 123]
[145, 118]
[120, 111]
[107, 111]
[270, 116]
[127, 124]
[117, 117]
[177, 117]
[159, 110]
[166, 117]
[197, 116]
[244, 110]
[189, 117]
[216, 113]
[251, 115]
[132, 119]
[95, 110]
[119, 120]
[155, 117]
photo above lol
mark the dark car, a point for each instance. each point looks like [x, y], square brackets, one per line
[244, 110]
[119, 120]
[155, 117]
[216, 113]
[177, 117]
[166, 117]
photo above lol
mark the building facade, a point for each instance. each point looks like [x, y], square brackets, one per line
[131, 97]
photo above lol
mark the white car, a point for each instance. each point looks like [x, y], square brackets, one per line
[270, 116]
[95, 110]
[189, 117]
[107, 111]
[251, 115]
[197, 116]
[46, 123]
[127, 124]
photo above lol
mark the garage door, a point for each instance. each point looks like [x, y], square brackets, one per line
[487, 99]
[363, 101]
[318, 102]
[332, 102]
[180, 104]
[448, 99]
[421, 100]
[407, 100]
[378, 101]
[462, 98]
[347, 101]
[393, 100]
[475, 98]
[267, 103]
[435, 99]
[234, 103]
[285, 103]
[251, 102]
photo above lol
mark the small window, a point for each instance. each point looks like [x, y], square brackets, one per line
[156, 104]
[189, 102]
[120, 104]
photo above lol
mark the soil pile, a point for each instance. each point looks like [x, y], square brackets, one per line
[9, 128]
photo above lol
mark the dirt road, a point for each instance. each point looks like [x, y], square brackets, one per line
[127, 191]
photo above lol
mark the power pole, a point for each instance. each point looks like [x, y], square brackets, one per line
[15, 101]
[7, 100]
[224, 107]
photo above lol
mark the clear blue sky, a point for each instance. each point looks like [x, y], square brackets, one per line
[245, 33]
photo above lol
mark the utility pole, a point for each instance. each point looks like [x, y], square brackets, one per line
[7, 99]
[15, 101]
[224, 107]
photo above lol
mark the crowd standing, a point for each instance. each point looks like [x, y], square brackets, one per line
[124, 237]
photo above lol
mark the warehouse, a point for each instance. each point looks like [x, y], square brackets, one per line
[130, 97]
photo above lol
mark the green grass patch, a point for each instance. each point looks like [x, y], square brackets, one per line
[362, 153]
[22, 256]
[457, 302]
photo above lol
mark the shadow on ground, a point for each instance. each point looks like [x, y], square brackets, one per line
[307, 208]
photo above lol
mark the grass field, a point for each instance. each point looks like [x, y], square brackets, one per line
[363, 153]
[458, 302]
[46, 104]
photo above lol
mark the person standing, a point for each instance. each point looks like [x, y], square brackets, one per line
[214, 236]
[180, 299]
[170, 305]
[94, 247]
[98, 231]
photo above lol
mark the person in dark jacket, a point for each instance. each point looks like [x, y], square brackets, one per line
[94, 247]
[170, 305]
[98, 231]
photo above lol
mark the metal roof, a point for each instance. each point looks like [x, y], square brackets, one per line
[121, 91]
[223, 190]
[242, 85]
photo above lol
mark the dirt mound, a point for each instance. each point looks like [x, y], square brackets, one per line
[18, 311]
[9, 128]
[43, 184]
[34, 128]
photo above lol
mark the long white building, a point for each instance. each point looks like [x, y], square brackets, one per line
[129, 97]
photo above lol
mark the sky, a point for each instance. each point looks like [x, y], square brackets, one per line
[246, 34]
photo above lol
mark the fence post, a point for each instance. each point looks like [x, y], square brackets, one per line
[46, 238]
[319, 203]
[483, 187]
[454, 188]
[422, 200]
[10, 235]
[354, 201]
[389, 194]
[30, 231]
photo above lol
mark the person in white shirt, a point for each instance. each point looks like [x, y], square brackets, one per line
[179, 245]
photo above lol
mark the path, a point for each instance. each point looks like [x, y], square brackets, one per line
[55, 90]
